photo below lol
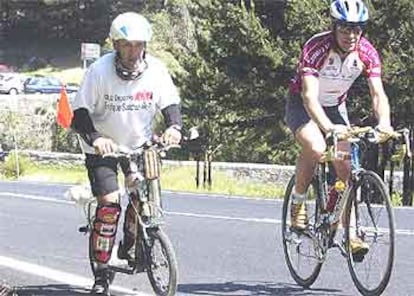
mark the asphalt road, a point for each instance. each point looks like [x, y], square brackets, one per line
[224, 246]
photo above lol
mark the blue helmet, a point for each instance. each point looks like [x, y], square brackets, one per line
[353, 12]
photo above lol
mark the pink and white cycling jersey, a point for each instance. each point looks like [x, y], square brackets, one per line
[335, 75]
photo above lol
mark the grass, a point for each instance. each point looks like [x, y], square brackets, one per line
[183, 179]
[55, 174]
[172, 178]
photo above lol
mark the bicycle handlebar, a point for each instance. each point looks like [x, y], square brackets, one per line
[372, 134]
[124, 151]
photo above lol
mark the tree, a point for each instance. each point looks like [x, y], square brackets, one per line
[231, 88]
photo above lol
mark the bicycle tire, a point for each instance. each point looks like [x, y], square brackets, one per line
[408, 180]
[370, 184]
[169, 287]
[303, 280]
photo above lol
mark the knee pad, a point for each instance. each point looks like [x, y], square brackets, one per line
[104, 231]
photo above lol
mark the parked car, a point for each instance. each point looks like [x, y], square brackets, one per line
[46, 85]
[11, 83]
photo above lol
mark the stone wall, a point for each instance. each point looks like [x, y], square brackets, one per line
[28, 120]
[266, 173]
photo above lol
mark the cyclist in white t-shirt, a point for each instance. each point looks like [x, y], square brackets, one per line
[116, 104]
[329, 65]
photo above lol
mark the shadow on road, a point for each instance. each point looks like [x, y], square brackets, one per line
[252, 288]
[49, 290]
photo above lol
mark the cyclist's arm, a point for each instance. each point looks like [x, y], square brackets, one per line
[310, 92]
[380, 103]
[172, 116]
[83, 125]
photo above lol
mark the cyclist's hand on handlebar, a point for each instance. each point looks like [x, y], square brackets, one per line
[104, 146]
[384, 128]
[339, 128]
[171, 136]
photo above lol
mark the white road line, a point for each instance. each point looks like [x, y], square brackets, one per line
[222, 196]
[58, 276]
[36, 197]
[195, 215]
[257, 220]
[261, 220]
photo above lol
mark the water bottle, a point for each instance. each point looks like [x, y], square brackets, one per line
[332, 198]
[334, 194]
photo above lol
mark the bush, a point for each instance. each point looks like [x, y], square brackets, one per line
[9, 169]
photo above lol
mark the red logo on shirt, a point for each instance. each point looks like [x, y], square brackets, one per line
[143, 96]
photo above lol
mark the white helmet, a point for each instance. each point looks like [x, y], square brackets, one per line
[130, 26]
[349, 11]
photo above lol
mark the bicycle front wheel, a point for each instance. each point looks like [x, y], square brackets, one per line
[162, 264]
[369, 216]
[302, 251]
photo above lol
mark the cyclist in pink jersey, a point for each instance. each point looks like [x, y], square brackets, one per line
[329, 64]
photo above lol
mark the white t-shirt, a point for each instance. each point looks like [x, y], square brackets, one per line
[124, 110]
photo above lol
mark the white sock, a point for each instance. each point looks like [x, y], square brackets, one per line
[297, 197]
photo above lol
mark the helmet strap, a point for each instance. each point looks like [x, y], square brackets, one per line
[127, 74]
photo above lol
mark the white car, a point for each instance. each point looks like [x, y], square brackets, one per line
[11, 83]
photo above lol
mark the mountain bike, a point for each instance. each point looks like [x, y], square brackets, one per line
[366, 210]
[153, 251]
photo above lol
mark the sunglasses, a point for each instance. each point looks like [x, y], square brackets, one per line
[347, 30]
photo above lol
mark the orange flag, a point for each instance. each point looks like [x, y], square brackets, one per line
[64, 111]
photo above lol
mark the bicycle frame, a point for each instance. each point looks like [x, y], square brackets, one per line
[328, 219]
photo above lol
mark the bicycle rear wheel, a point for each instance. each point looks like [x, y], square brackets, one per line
[162, 264]
[373, 222]
[302, 252]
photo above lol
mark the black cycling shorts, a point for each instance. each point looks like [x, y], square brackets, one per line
[296, 115]
[103, 173]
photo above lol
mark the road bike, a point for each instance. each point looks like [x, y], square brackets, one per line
[365, 207]
[153, 250]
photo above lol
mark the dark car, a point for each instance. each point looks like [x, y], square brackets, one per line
[46, 85]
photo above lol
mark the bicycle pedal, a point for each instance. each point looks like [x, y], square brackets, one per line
[139, 268]
[358, 258]
[83, 229]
